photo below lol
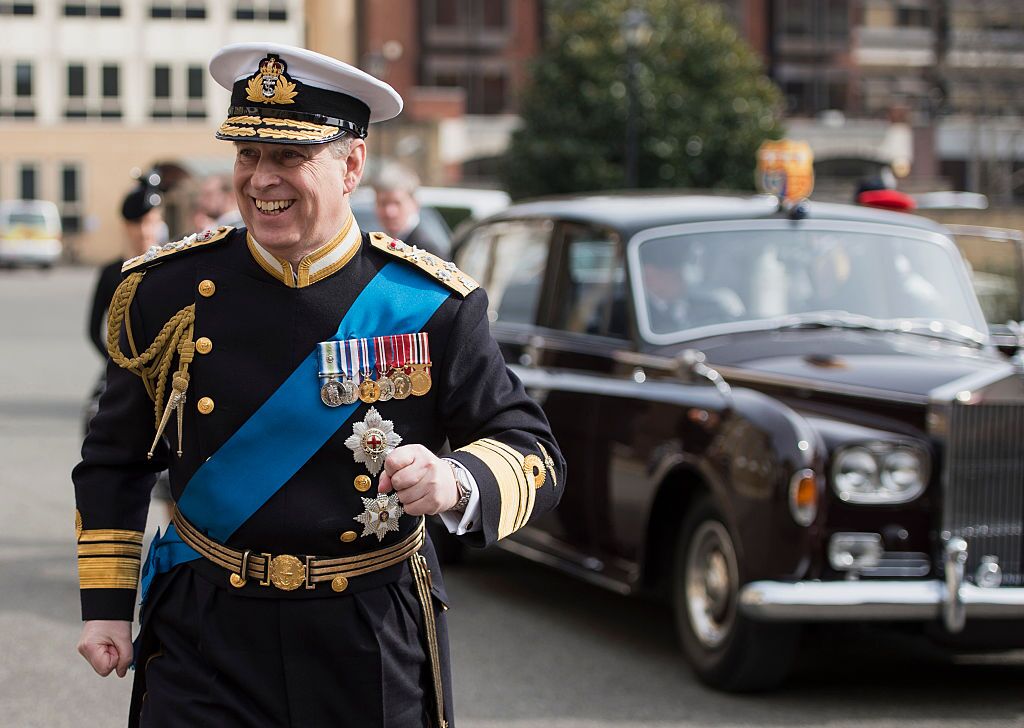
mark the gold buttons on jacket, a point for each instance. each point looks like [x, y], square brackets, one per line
[339, 583]
[204, 345]
[349, 536]
[205, 405]
[206, 288]
[362, 483]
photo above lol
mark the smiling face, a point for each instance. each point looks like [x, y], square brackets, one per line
[294, 197]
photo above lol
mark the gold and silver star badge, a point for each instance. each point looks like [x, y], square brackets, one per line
[372, 439]
[380, 516]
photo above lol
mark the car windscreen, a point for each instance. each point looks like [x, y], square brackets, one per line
[768, 272]
[27, 219]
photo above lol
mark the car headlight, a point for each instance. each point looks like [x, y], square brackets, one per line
[879, 472]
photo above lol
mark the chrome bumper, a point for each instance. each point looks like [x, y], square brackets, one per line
[825, 601]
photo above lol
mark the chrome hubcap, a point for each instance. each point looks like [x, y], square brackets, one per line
[711, 582]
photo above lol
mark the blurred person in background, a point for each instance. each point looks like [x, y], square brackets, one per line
[215, 204]
[143, 228]
[399, 212]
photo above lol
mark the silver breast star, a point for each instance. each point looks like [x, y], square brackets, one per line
[372, 439]
[380, 516]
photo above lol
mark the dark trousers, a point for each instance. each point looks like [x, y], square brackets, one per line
[209, 657]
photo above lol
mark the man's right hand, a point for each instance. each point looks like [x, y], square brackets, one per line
[107, 645]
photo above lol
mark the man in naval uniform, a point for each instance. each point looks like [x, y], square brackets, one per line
[296, 377]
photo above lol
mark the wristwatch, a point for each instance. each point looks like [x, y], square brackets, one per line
[462, 483]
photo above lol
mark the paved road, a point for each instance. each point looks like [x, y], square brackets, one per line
[531, 648]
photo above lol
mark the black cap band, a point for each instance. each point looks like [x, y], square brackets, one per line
[310, 103]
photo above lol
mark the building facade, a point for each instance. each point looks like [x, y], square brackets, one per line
[460, 65]
[926, 87]
[93, 90]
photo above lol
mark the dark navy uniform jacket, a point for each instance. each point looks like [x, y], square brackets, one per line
[260, 324]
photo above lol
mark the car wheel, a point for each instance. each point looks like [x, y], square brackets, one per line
[727, 650]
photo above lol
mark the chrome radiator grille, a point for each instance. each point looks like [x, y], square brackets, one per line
[984, 495]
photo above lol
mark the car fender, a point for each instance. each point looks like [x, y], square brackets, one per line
[757, 447]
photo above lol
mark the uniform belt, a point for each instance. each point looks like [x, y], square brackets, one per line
[288, 572]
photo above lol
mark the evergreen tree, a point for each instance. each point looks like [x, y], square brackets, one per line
[702, 102]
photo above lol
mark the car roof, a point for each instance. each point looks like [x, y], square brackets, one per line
[43, 206]
[631, 211]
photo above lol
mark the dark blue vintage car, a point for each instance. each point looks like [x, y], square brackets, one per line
[772, 416]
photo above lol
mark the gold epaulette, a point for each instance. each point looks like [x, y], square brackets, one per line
[446, 272]
[158, 253]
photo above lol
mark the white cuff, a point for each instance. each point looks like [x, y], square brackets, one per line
[469, 520]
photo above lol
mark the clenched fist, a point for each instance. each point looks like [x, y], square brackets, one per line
[425, 483]
[107, 645]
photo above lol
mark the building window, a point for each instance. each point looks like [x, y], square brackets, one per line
[179, 92]
[187, 9]
[196, 108]
[16, 91]
[912, 17]
[446, 13]
[195, 82]
[837, 19]
[494, 92]
[271, 10]
[93, 91]
[76, 81]
[23, 80]
[277, 11]
[495, 13]
[93, 9]
[486, 83]
[796, 17]
[70, 197]
[111, 81]
[161, 82]
[27, 182]
[17, 8]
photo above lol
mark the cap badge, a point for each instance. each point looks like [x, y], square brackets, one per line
[270, 84]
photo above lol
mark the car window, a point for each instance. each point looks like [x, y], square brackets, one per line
[720, 276]
[996, 275]
[508, 259]
[592, 284]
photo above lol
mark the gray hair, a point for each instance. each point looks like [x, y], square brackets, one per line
[342, 146]
[396, 178]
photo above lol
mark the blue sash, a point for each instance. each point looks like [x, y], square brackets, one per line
[291, 426]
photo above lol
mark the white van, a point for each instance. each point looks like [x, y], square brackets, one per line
[30, 233]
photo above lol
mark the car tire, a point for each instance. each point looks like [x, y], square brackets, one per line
[726, 650]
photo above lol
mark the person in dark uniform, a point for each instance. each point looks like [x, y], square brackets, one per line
[297, 377]
[143, 229]
[399, 211]
[143, 223]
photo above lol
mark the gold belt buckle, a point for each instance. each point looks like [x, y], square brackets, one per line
[285, 572]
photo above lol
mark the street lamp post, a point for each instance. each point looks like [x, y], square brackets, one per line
[636, 32]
